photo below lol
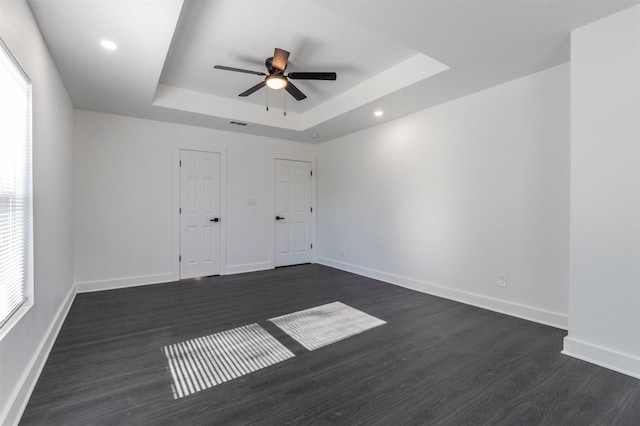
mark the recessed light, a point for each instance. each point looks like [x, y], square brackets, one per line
[108, 44]
[378, 113]
[314, 136]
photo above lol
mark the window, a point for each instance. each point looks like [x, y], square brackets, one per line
[16, 259]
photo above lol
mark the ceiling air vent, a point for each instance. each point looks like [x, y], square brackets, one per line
[238, 123]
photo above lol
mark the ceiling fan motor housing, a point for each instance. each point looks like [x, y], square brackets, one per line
[272, 70]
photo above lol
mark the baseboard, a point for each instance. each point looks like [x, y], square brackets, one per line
[604, 357]
[89, 286]
[529, 313]
[20, 396]
[249, 267]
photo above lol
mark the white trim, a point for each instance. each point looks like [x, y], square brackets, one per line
[22, 392]
[223, 202]
[249, 267]
[112, 284]
[604, 357]
[529, 313]
[16, 316]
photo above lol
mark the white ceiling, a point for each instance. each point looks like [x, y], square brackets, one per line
[317, 43]
[394, 55]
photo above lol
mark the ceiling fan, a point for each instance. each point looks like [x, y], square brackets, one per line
[276, 79]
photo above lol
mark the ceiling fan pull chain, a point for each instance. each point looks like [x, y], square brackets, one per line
[267, 99]
[284, 96]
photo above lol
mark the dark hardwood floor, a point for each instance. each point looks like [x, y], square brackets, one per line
[434, 362]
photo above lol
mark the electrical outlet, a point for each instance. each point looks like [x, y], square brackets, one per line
[502, 280]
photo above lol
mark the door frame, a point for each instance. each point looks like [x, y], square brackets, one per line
[314, 204]
[176, 202]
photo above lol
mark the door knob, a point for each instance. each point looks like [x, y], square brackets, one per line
[279, 218]
[215, 219]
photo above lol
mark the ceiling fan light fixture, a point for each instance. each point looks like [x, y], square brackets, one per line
[275, 78]
[276, 81]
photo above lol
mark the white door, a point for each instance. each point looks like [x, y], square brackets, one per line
[199, 214]
[293, 212]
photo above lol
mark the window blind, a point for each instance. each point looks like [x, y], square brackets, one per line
[15, 186]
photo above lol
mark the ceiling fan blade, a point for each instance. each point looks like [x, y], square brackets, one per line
[253, 89]
[222, 67]
[294, 91]
[312, 75]
[280, 58]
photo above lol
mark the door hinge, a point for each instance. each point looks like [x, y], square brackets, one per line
[180, 162]
[180, 210]
[311, 246]
[179, 258]
[311, 172]
[311, 209]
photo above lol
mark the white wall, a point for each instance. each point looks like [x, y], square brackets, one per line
[21, 354]
[445, 199]
[604, 308]
[127, 199]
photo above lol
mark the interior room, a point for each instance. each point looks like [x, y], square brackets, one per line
[320, 212]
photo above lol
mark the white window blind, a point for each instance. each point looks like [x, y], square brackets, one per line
[16, 258]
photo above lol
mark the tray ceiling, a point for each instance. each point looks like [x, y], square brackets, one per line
[396, 56]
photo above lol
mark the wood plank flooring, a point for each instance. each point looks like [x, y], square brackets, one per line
[434, 362]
